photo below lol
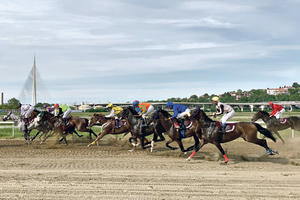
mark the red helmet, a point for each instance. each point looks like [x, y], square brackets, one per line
[270, 103]
[56, 105]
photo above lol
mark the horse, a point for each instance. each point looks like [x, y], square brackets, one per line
[55, 125]
[210, 133]
[19, 122]
[275, 125]
[139, 130]
[163, 118]
[108, 126]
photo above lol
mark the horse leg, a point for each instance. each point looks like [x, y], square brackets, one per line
[179, 142]
[77, 133]
[169, 142]
[218, 145]
[197, 148]
[195, 145]
[277, 133]
[92, 132]
[35, 136]
[101, 134]
[262, 143]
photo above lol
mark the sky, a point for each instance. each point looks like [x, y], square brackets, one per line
[99, 51]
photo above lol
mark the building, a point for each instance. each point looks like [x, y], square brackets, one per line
[280, 90]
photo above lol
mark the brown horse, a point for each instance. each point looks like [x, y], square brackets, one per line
[163, 118]
[56, 125]
[210, 133]
[82, 125]
[275, 125]
[108, 126]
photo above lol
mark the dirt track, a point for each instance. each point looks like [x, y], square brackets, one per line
[109, 171]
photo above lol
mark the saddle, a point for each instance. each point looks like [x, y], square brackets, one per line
[187, 124]
[230, 127]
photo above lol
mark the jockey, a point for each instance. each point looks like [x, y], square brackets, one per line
[49, 109]
[179, 111]
[64, 111]
[26, 110]
[277, 110]
[143, 108]
[114, 111]
[225, 109]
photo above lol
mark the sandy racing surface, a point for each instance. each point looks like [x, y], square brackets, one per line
[110, 171]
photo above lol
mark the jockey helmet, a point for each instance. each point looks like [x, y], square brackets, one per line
[215, 99]
[135, 103]
[110, 105]
[169, 104]
[45, 106]
[56, 105]
[270, 103]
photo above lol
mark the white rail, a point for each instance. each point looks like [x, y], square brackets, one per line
[12, 126]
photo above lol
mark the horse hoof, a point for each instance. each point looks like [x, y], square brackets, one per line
[188, 159]
[131, 150]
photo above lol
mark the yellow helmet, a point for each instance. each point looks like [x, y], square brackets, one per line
[215, 99]
[110, 105]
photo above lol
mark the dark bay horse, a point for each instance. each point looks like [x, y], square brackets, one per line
[275, 125]
[56, 125]
[246, 130]
[163, 118]
[108, 126]
[139, 130]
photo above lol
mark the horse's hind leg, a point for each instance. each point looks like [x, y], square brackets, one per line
[101, 134]
[262, 143]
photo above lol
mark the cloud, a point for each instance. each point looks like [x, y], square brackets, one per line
[188, 23]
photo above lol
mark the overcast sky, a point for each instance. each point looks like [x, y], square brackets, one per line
[121, 50]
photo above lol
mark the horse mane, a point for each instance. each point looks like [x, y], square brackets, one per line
[264, 112]
[196, 115]
[165, 113]
[132, 110]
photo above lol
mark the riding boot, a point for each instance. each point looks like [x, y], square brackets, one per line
[117, 123]
[222, 131]
[181, 123]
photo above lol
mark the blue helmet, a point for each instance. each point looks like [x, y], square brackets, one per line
[169, 104]
[135, 103]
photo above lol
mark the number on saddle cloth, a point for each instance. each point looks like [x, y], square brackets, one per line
[283, 120]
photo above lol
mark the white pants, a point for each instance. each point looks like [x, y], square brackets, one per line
[226, 117]
[279, 113]
[186, 112]
[67, 114]
[149, 111]
[28, 112]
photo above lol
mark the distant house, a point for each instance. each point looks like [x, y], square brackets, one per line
[84, 107]
[280, 90]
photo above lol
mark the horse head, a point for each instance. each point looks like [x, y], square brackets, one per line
[7, 117]
[259, 115]
[96, 118]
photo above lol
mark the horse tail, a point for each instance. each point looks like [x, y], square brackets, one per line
[265, 132]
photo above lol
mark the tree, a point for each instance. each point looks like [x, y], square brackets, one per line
[296, 85]
[13, 103]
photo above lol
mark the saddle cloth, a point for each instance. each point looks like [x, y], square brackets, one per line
[230, 127]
